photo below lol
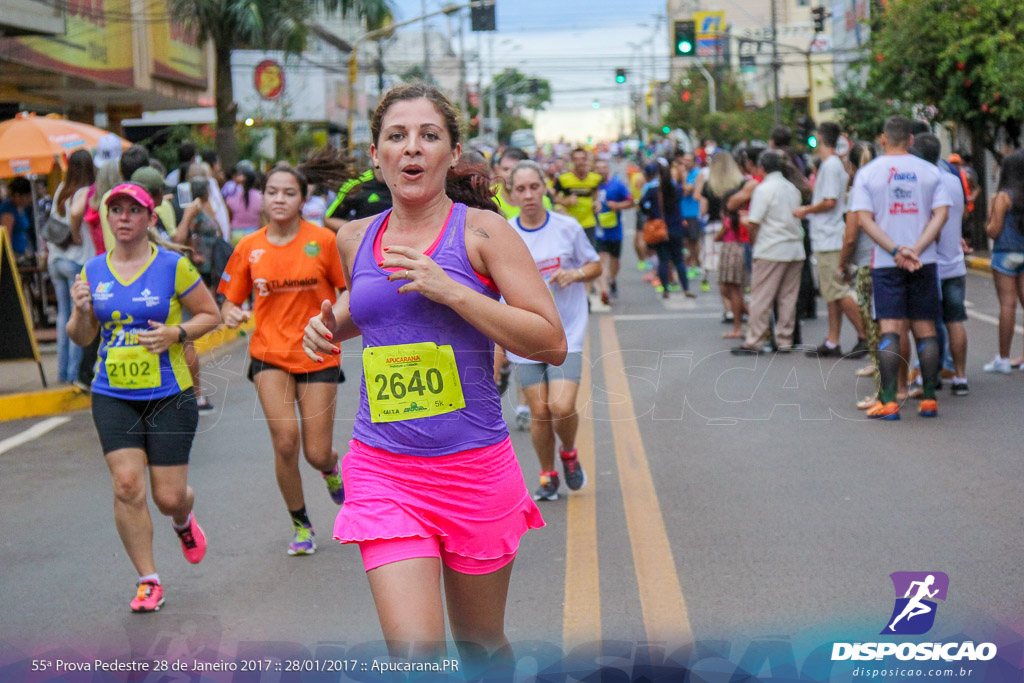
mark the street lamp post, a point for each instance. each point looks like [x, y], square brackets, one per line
[353, 59]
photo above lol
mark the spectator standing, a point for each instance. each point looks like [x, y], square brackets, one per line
[14, 216]
[952, 269]
[778, 255]
[825, 214]
[66, 260]
[245, 206]
[902, 205]
[1006, 227]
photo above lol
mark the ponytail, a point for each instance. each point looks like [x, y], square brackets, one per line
[470, 184]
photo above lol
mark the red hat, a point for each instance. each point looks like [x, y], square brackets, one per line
[136, 192]
[955, 159]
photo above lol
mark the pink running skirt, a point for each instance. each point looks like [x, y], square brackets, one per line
[472, 506]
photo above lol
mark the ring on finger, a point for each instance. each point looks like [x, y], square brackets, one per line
[406, 275]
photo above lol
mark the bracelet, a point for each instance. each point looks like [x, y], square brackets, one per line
[583, 276]
[894, 251]
[182, 335]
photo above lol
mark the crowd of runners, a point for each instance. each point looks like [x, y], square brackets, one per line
[448, 267]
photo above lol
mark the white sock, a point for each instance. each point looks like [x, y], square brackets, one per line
[183, 526]
[830, 345]
[522, 409]
[959, 380]
[155, 578]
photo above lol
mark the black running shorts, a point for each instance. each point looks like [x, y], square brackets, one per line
[162, 427]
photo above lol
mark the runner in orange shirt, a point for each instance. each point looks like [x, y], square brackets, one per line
[292, 266]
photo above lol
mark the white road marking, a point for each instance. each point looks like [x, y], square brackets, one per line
[33, 432]
[666, 316]
[992, 320]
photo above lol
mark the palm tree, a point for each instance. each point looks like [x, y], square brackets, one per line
[255, 24]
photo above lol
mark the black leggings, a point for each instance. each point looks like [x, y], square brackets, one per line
[672, 251]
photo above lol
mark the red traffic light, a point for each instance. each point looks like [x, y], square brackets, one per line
[686, 96]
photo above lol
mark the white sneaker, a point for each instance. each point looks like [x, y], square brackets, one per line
[999, 364]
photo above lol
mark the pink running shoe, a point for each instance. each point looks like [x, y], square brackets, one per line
[149, 598]
[193, 541]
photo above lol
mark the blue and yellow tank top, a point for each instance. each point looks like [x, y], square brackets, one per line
[124, 368]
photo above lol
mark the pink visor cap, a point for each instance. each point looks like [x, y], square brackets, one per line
[136, 192]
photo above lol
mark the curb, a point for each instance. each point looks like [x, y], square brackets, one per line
[979, 263]
[67, 399]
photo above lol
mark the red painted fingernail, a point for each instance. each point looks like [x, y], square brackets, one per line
[319, 359]
[386, 248]
[336, 351]
[329, 335]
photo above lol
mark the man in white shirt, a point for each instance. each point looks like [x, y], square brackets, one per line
[952, 270]
[825, 213]
[902, 205]
[778, 255]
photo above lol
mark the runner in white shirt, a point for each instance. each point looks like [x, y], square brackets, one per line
[828, 226]
[902, 206]
[566, 260]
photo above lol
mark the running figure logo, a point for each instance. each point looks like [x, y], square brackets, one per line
[914, 612]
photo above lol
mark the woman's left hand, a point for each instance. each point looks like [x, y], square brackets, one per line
[420, 271]
[159, 337]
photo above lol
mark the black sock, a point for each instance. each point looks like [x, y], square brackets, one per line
[928, 354]
[889, 364]
[299, 516]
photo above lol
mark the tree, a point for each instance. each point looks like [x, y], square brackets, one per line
[255, 24]
[966, 59]
[864, 109]
[513, 92]
[731, 123]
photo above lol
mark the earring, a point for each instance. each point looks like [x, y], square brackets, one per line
[376, 165]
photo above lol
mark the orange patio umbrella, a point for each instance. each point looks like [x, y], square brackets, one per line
[34, 144]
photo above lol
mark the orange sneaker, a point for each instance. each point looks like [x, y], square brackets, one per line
[929, 407]
[884, 411]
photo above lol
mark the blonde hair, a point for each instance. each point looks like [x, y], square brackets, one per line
[723, 174]
[106, 180]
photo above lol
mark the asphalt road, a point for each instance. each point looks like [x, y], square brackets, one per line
[732, 502]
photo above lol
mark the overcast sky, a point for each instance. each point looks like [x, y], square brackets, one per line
[575, 44]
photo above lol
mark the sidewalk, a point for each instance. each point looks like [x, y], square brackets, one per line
[21, 389]
[980, 263]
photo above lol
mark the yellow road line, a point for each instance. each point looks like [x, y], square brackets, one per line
[581, 622]
[661, 597]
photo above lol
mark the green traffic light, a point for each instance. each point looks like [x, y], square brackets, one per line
[685, 47]
[812, 142]
[620, 79]
[666, 130]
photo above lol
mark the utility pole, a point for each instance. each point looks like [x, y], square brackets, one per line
[463, 90]
[494, 95]
[777, 106]
[353, 58]
[482, 101]
[426, 45]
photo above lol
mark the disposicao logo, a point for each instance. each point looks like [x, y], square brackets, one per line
[913, 614]
[916, 593]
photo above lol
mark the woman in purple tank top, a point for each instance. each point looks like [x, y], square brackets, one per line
[433, 487]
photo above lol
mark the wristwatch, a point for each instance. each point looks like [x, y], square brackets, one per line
[182, 335]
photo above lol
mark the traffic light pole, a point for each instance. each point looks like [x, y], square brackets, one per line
[712, 104]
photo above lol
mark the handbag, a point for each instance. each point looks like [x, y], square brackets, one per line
[56, 231]
[656, 229]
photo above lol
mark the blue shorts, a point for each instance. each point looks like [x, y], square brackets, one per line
[1008, 262]
[900, 294]
[954, 291]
